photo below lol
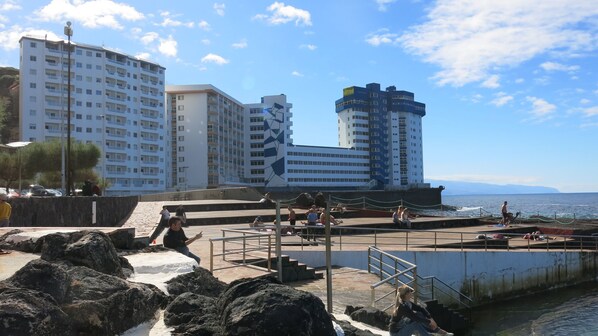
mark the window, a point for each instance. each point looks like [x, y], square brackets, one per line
[88, 130]
[88, 53]
[182, 138]
[88, 104]
[181, 107]
[32, 71]
[32, 126]
[99, 105]
[32, 99]
[181, 148]
[79, 65]
[32, 58]
[32, 85]
[98, 54]
[88, 66]
[78, 129]
[79, 90]
[33, 44]
[88, 117]
[181, 118]
[32, 112]
[181, 128]
[88, 91]
[180, 97]
[181, 159]
[98, 92]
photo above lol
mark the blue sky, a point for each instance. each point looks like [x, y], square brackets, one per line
[510, 86]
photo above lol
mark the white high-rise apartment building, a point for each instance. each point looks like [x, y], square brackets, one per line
[205, 137]
[117, 103]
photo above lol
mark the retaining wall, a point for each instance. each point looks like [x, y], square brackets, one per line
[483, 276]
[72, 211]
[246, 194]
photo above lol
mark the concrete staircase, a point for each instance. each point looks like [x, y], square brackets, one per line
[448, 318]
[292, 270]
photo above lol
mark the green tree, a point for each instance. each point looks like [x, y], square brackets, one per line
[46, 158]
[9, 168]
[3, 115]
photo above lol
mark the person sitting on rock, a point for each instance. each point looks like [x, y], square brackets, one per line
[176, 239]
[405, 218]
[409, 318]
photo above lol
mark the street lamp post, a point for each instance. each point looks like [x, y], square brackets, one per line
[68, 31]
[18, 145]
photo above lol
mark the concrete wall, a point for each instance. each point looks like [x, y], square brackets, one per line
[483, 276]
[247, 194]
[71, 211]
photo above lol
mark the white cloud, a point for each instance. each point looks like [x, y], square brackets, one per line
[308, 46]
[90, 14]
[240, 45]
[206, 42]
[382, 36]
[541, 109]
[552, 66]
[149, 38]
[383, 3]
[9, 38]
[143, 55]
[296, 73]
[168, 21]
[213, 58]
[469, 38]
[204, 25]
[588, 125]
[585, 101]
[591, 111]
[501, 99]
[283, 14]
[491, 82]
[519, 80]
[219, 8]
[168, 47]
[9, 5]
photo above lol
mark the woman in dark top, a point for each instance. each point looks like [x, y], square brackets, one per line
[409, 318]
[176, 239]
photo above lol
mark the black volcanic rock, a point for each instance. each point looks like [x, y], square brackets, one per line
[371, 316]
[265, 305]
[45, 277]
[25, 312]
[200, 281]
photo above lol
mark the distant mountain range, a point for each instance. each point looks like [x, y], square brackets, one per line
[474, 188]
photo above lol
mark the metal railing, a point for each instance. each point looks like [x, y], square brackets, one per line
[247, 246]
[409, 240]
[397, 272]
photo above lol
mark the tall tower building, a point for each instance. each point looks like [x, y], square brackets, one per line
[206, 137]
[387, 124]
[117, 103]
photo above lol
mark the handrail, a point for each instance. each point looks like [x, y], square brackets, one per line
[242, 239]
[393, 279]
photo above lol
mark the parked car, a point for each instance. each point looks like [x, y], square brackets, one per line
[56, 192]
[37, 190]
[11, 192]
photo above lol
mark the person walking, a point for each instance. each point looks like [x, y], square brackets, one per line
[505, 213]
[176, 239]
[180, 213]
[5, 212]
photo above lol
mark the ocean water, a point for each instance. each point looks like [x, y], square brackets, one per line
[567, 311]
[558, 205]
